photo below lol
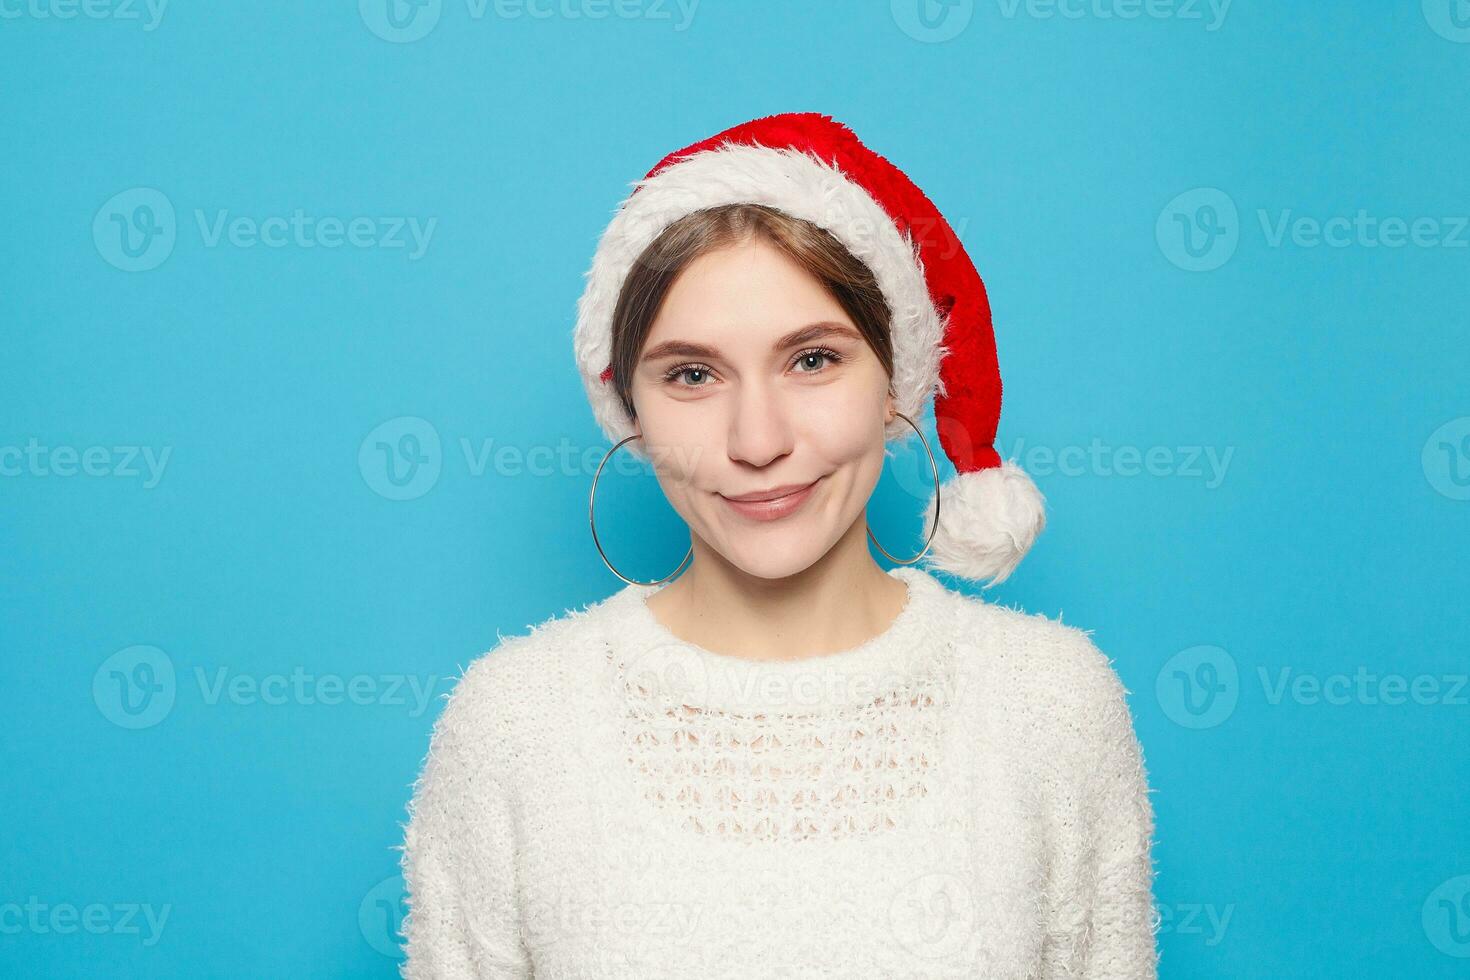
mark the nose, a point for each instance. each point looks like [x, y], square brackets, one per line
[760, 428]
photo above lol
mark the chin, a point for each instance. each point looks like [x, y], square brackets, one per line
[777, 553]
[772, 571]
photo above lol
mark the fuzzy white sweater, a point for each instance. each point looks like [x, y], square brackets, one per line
[961, 796]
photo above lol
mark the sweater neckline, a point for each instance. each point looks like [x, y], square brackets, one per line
[659, 664]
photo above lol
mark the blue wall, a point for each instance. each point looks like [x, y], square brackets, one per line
[290, 428]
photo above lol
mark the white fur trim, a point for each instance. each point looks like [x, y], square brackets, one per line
[988, 520]
[800, 184]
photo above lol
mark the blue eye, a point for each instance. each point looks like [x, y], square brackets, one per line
[830, 355]
[674, 374]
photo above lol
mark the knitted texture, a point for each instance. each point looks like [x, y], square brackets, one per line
[961, 796]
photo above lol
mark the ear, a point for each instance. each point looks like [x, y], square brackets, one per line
[890, 407]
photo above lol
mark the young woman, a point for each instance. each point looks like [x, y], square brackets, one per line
[788, 762]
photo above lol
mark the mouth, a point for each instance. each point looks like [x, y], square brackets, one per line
[772, 504]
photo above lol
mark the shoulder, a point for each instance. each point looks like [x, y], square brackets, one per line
[1047, 677]
[506, 692]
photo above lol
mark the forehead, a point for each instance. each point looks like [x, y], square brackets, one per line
[751, 293]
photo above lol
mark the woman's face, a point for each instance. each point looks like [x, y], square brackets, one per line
[754, 381]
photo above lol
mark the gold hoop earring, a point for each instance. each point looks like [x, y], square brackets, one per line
[935, 467]
[592, 520]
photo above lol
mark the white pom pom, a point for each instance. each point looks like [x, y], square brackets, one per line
[987, 522]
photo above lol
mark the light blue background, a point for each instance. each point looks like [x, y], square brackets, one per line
[1295, 837]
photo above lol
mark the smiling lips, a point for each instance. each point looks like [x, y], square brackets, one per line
[773, 504]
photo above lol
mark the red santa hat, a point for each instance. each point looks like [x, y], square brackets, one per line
[812, 167]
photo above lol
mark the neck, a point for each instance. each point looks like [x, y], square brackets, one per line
[837, 603]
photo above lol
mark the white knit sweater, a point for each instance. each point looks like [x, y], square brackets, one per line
[961, 796]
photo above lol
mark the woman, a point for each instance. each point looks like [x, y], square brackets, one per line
[787, 761]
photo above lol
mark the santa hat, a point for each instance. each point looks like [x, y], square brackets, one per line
[809, 166]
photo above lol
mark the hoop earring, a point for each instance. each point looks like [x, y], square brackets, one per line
[592, 520]
[937, 495]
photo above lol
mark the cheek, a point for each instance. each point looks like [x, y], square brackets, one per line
[681, 444]
[846, 426]
[845, 440]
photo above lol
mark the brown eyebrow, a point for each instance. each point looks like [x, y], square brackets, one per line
[802, 335]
